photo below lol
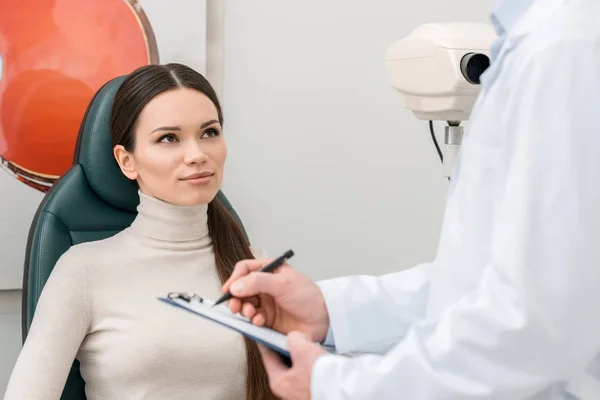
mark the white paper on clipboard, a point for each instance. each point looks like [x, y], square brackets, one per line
[221, 315]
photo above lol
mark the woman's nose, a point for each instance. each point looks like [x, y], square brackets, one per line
[194, 154]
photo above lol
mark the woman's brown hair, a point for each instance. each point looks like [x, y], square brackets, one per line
[229, 243]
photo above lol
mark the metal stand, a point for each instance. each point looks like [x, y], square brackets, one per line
[453, 135]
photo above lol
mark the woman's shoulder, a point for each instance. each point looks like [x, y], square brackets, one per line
[95, 250]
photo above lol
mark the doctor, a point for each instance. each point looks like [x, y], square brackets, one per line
[510, 307]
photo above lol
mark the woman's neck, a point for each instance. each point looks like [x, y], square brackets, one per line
[168, 222]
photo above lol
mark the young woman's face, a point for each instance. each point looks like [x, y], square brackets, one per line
[179, 151]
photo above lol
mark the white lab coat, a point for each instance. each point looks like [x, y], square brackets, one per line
[510, 307]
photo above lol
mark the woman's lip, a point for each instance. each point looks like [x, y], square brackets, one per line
[199, 180]
[198, 175]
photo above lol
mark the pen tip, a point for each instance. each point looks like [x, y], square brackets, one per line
[289, 254]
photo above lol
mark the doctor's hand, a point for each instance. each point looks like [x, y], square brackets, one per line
[292, 383]
[284, 300]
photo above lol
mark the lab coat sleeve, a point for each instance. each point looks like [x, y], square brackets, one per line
[58, 328]
[533, 320]
[399, 299]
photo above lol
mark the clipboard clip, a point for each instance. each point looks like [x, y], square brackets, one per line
[185, 296]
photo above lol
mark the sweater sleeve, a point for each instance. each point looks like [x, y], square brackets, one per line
[58, 328]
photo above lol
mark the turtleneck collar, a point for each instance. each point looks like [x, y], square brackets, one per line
[168, 222]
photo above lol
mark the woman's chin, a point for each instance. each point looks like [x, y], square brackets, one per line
[195, 197]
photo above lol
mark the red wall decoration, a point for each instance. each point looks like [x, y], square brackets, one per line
[55, 55]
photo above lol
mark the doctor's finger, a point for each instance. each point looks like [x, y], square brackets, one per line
[248, 310]
[260, 318]
[243, 268]
[237, 305]
[259, 283]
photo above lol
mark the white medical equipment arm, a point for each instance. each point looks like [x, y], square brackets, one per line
[436, 71]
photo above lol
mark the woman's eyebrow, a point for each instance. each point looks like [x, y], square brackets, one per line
[207, 123]
[178, 128]
[167, 128]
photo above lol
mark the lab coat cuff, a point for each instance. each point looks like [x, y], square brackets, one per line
[329, 340]
[338, 321]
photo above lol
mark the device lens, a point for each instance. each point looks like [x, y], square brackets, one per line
[473, 65]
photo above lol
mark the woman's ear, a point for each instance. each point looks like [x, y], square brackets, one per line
[126, 162]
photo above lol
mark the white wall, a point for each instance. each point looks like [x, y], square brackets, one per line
[322, 159]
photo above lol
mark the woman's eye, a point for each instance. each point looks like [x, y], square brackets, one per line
[211, 132]
[169, 138]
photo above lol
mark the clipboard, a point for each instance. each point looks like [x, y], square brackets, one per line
[221, 315]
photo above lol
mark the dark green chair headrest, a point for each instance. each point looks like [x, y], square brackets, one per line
[94, 152]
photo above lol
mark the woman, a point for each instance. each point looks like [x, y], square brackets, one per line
[100, 303]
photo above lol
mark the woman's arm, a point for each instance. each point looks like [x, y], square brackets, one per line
[59, 325]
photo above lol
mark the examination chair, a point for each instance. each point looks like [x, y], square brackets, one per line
[93, 200]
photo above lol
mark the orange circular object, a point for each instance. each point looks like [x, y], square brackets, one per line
[55, 55]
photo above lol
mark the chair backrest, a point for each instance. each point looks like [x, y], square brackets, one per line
[93, 200]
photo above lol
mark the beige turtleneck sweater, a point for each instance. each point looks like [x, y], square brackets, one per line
[100, 306]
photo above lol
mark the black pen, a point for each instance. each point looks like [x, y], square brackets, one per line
[267, 268]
